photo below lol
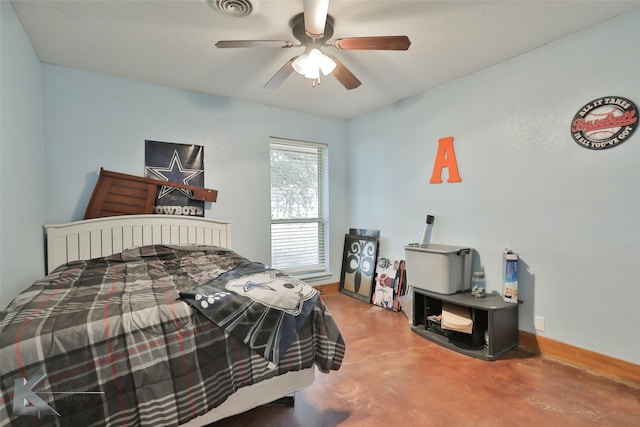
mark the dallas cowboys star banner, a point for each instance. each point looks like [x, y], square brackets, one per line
[180, 163]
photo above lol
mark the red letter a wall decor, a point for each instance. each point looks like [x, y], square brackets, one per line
[446, 158]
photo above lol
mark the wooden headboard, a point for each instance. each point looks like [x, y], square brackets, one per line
[121, 194]
[94, 238]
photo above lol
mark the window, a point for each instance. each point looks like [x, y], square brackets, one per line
[298, 206]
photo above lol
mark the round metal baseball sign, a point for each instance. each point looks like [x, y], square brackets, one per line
[604, 122]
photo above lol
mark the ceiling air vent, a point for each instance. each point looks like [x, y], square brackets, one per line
[234, 8]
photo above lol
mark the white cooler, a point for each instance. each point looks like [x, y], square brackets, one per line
[444, 269]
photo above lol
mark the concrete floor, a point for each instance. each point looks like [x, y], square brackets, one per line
[392, 377]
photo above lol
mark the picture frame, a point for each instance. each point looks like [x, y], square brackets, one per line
[390, 283]
[358, 266]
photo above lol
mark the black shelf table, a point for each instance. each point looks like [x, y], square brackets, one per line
[499, 319]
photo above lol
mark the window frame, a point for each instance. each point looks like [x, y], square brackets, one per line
[322, 267]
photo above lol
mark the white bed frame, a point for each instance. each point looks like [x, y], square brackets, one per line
[101, 237]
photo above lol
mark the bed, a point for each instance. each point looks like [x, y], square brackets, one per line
[155, 320]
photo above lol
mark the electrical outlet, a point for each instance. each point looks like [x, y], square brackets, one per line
[538, 323]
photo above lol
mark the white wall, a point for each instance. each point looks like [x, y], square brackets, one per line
[22, 195]
[95, 121]
[571, 213]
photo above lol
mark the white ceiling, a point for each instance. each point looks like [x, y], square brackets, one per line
[171, 43]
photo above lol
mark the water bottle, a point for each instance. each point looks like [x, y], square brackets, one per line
[478, 285]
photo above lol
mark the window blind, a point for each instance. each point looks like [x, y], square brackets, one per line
[298, 206]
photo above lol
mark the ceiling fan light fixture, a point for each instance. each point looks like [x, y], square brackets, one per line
[327, 65]
[310, 64]
[312, 73]
[300, 63]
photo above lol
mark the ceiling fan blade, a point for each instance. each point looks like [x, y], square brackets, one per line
[254, 43]
[315, 17]
[281, 75]
[373, 43]
[344, 76]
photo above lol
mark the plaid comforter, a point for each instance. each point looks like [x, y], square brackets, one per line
[115, 327]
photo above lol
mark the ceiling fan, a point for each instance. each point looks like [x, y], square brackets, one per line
[313, 28]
